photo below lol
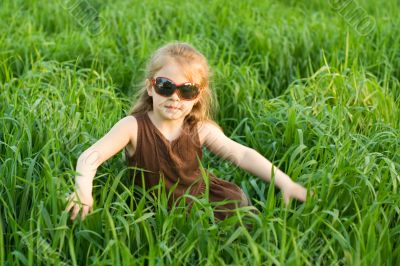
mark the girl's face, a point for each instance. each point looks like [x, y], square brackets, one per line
[171, 107]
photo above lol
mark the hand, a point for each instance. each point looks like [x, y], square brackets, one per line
[86, 202]
[294, 190]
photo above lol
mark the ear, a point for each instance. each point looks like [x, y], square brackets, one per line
[149, 88]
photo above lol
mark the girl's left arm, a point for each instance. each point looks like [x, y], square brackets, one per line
[250, 160]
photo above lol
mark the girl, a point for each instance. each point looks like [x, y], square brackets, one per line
[165, 132]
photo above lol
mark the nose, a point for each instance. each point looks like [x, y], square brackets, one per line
[175, 96]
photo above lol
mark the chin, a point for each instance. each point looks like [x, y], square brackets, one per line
[172, 116]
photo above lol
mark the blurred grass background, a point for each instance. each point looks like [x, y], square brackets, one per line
[294, 79]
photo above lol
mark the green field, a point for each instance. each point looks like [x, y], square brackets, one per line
[302, 82]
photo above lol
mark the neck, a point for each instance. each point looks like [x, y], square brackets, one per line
[166, 124]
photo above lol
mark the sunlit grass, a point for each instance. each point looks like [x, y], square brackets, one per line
[293, 80]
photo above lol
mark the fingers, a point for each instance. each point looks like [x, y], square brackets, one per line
[74, 203]
[299, 192]
[85, 211]
[75, 212]
[305, 194]
[302, 194]
[296, 191]
[286, 198]
[69, 206]
[70, 202]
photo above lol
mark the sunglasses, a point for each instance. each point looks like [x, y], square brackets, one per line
[166, 87]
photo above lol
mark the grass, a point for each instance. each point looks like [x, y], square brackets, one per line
[294, 80]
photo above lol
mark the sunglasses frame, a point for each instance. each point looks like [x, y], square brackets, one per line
[177, 88]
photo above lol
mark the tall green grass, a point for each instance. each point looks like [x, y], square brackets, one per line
[293, 80]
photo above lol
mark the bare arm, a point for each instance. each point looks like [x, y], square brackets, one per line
[258, 165]
[250, 160]
[116, 139]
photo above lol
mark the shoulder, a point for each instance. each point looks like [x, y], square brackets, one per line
[207, 129]
[130, 125]
[129, 121]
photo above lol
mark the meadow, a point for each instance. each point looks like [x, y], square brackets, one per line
[305, 83]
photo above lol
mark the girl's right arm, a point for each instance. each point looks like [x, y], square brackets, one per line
[123, 132]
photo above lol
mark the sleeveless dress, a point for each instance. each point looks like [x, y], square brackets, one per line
[176, 162]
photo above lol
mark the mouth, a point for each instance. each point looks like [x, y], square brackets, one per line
[172, 107]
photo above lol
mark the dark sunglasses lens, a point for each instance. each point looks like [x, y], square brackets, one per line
[189, 91]
[164, 87]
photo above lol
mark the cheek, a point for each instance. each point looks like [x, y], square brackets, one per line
[188, 107]
[157, 100]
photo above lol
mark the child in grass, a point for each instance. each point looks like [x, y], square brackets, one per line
[164, 134]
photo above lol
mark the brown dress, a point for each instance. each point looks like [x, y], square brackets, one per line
[177, 163]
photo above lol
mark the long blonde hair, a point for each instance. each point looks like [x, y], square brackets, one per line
[194, 64]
